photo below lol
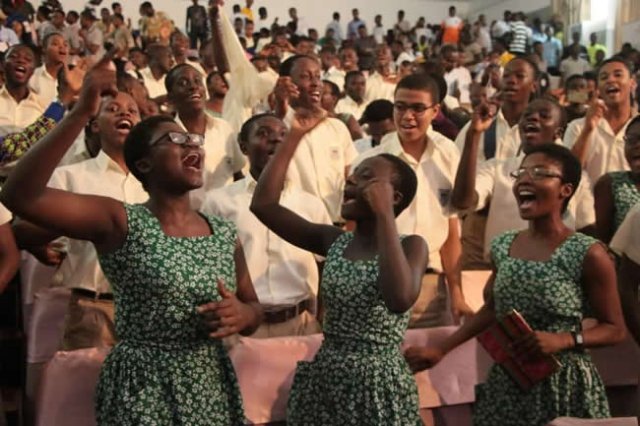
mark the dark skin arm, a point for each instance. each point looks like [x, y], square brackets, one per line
[266, 198]
[605, 208]
[9, 256]
[450, 253]
[219, 55]
[628, 273]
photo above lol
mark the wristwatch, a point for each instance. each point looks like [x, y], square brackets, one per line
[578, 340]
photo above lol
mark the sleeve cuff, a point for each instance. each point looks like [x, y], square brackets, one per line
[55, 111]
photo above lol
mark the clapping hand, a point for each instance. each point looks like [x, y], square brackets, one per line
[226, 317]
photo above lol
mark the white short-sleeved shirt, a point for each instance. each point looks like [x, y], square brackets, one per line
[626, 240]
[44, 85]
[349, 106]
[222, 159]
[507, 139]
[605, 150]
[15, 116]
[335, 76]
[320, 162]
[429, 213]
[97, 176]
[459, 77]
[282, 273]
[378, 88]
[494, 186]
[155, 87]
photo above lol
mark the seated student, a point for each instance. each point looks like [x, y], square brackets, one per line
[378, 119]
[322, 163]
[597, 139]
[435, 159]
[160, 62]
[381, 83]
[626, 244]
[284, 276]
[370, 281]
[44, 80]
[224, 161]
[19, 104]
[488, 184]
[617, 192]
[355, 86]
[554, 277]
[330, 96]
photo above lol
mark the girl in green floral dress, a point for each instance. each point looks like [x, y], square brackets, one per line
[617, 192]
[370, 281]
[553, 277]
[180, 280]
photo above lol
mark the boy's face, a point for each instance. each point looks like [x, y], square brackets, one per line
[413, 112]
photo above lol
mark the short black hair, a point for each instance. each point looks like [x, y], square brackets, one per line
[376, 111]
[245, 130]
[119, 16]
[352, 74]
[571, 167]
[173, 73]
[287, 66]
[114, 5]
[573, 78]
[406, 182]
[48, 37]
[335, 90]
[73, 13]
[422, 82]
[136, 146]
[618, 59]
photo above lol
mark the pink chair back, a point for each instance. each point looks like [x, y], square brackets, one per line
[47, 323]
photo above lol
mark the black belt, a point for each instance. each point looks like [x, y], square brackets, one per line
[277, 315]
[90, 294]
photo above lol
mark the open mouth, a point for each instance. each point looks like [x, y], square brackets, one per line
[531, 129]
[526, 198]
[349, 196]
[193, 162]
[124, 126]
[20, 71]
[315, 95]
[195, 96]
[612, 90]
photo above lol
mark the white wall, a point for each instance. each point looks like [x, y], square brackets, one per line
[631, 33]
[493, 9]
[317, 13]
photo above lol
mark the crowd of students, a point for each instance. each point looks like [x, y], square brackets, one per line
[257, 179]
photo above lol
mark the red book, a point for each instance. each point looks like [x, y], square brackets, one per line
[525, 372]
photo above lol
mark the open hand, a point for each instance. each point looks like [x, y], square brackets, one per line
[73, 79]
[422, 358]
[596, 111]
[99, 81]
[228, 316]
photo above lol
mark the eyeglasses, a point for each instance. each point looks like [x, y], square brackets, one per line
[179, 138]
[417, 109]
[633, 140]
[535, 173]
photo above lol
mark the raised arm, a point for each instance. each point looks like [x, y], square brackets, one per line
[464, 195]
[402, 264]
[219, 54]
[266, 198]
[101, 220]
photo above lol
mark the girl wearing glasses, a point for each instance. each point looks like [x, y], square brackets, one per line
[553, 277]
[617, 192]
[179, 278]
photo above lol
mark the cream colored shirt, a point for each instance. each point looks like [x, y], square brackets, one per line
[222, 159]
[605, 150]
[154, 87]
[627, 238]
[378, 88]
[321, 160]
[349, 106]
[44, 85]
[98, 176]
[429, 213]
[336, 76]
[247, 87]
[494, 186]
[507, 139]
[16, 116]
[282, 273]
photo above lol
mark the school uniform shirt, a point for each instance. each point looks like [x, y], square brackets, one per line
[44, 85]
[459, 78]
[494, 186]
[98, 176]
[347, 105]
[570, 66]
[507, 139]
[222, 159]
[282, 273]
[429, 213]
[320, 162]
[16, 116]
[248, 88]
[335, 76]
[626, 240]
[95, 36]
[378, 88]
[155, 87]
[605, 150]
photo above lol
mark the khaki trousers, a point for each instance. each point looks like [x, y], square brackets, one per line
[473, 233]
[302, 325]
[432, 307]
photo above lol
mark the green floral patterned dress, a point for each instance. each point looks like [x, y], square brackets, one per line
[359, 376]
[549, 295]
[164, 370]
[625, 195]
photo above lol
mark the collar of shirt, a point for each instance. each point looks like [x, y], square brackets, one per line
[146, 73]
[606, 127]
[31, 97]
[210, 123]
[250, 183]
[43, 73]
[395, 147]
[106, 163]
